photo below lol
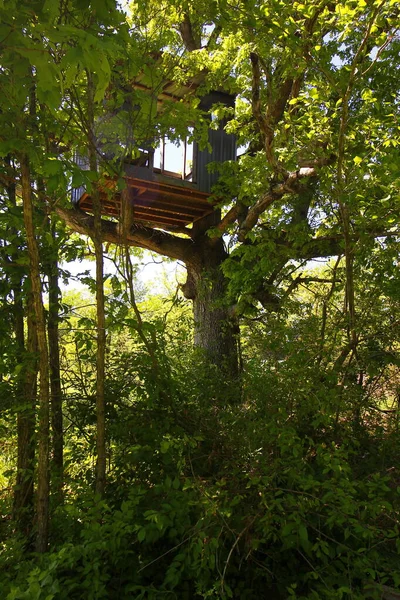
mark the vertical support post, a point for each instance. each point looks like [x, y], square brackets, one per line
[194, 162]
[150, 160]
[126, 212]
[162, 154]
[184, 158]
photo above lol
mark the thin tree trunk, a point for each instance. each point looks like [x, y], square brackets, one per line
[100, 372]
[23, 493]
[26, 390]
[149, 345]
[325, 310]
[42, 501]
[345, 214]
[55, 376]
[54, 350]
[101, 462]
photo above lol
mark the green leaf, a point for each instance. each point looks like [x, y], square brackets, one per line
[164, 447]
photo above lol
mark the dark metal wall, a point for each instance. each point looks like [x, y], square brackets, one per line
[223, 145]
[223, 148]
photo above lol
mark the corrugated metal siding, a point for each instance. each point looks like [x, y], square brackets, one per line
[223, 148]
[83, 163]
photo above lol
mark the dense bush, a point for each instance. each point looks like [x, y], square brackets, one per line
[213, 499]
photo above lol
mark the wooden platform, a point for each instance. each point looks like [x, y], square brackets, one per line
[150, 198]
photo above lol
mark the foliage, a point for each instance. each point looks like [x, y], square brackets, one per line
[281, 478]
[213, 500]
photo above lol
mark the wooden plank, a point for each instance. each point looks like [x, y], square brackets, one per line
[174, 191]
[153, 200]
[148, 214]
[112, 212]
[146, 211]
[153, 197]
[177, 187]
[149, 210]
[167, 218]
[143, 213]
[159, 219]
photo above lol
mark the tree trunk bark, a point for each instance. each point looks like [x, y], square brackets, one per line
[55, 376]
[26, 392]
[42, 500]
[216, 330]
[100, 373]
[101, 462]
[23, 493]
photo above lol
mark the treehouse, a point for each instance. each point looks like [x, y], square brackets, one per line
[167, 187]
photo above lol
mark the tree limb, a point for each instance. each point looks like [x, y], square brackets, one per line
[267, 132]
[140, 236]
[187, 34]
[229, 218]
[291, 185]
[331, 245]
[276, 109]
[301, 280]
[320, 247]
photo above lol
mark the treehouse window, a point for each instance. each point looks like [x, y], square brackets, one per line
[174, 160]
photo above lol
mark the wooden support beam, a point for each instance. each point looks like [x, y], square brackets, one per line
[126, 213]
[165, 203]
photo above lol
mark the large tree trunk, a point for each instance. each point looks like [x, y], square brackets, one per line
[216, 330]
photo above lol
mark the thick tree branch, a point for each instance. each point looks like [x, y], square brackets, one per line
[140, 236]
[331, 245]
[229, 218]
[300, 280]
[269, 298]
[301, 206]
[187, 34]
[320, 248]
[276, 109]
[291, 185]
[278, 95]
[267, 132]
